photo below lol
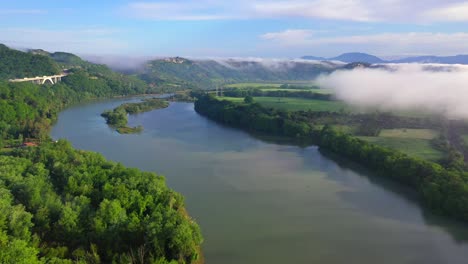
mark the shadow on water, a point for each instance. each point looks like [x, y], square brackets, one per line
[457, 230]
[408, 197]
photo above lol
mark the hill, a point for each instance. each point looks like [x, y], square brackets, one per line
[181, 72]
[358, 57]
[349, 58]
[18, 64]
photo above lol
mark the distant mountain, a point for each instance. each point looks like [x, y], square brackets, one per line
[314, 58]
[358, 57]
[349, 58]
[181, 72]
[367, 58]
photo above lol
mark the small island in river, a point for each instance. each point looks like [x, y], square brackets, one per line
[118, 117]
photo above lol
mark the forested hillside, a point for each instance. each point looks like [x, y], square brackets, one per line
[61, 205]
[207, 74]
[18, 64]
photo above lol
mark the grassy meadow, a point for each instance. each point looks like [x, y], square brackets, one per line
[296, 104]
[414, 142]
[253, 85]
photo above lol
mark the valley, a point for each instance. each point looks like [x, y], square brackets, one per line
[307, 153]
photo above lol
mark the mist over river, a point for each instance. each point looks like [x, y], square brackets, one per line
[262, 202]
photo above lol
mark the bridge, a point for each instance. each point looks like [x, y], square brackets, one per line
[53, 79]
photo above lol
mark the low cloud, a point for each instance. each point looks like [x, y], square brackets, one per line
[274, 64]
[129, 64]
[436, 88]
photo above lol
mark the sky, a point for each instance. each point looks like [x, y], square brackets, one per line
[241, 28]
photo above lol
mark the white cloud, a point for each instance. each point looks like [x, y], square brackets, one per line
[348, 10]
[335, 9]
[385, 43]
[456, 12]
[182, 10]
[290, 36]
[408, 87]
[81, 40]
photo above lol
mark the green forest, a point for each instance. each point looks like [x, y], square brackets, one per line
[61, 205]
[18, 64]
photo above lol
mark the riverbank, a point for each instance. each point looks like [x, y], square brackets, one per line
[118, 119]
[444, 191]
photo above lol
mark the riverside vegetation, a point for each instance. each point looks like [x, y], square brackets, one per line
[118, 116]
[61, 205]
[442, 187]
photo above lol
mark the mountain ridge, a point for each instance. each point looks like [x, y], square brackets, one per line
[369, 58]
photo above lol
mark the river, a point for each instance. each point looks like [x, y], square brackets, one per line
[262, 202]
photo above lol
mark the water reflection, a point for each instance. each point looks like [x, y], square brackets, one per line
[262, 202]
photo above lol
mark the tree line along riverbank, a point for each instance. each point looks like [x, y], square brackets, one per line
[442, 189]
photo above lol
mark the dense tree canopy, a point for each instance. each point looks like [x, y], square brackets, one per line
[17, 64]
[60, 205]
[239, 92]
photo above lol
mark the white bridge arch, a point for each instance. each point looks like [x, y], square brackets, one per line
[52, 79]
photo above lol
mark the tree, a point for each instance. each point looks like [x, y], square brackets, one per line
[248, 99]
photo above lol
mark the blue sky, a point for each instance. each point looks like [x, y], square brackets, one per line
[254, 28]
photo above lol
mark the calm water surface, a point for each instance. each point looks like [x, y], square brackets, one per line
[260, 202]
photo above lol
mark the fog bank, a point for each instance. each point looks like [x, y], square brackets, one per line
[437, 88]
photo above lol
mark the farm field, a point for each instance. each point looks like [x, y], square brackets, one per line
[253, 85]
[315, 90]
[465, 139]
[296, 104]
[270, 84]
[414, 142]
[409, 133]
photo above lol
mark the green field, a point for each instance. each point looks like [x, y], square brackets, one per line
[315, 90]
[409, 133]
[296, 104]
[345, 129]
[414, 142]
[270, 84]
[253, 85]
[465, 139]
